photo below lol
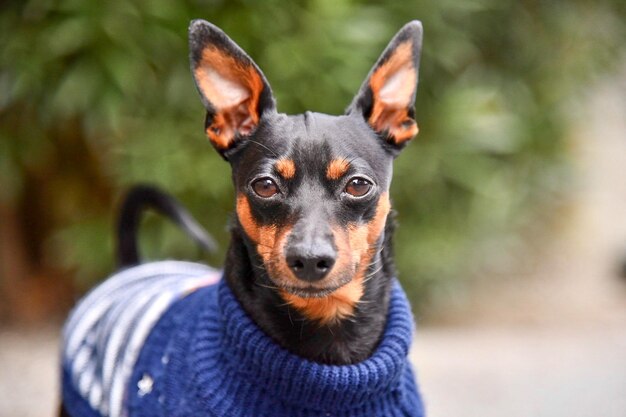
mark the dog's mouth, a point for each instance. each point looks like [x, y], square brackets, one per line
[320, 289]
[310, 291]
[283, 280]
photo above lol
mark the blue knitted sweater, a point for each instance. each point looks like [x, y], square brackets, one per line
[204, 356]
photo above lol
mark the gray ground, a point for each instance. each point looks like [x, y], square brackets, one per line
[522, 372]
[550, 341]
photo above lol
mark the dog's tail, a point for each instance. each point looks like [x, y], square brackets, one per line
[136, 201]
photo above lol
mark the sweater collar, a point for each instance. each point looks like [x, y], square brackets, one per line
[303, 383]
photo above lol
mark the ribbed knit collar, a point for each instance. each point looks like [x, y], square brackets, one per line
[297, 381]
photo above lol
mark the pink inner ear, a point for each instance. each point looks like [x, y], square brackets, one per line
[233, 88]
[393, 86]
[398, 89]
[224, 92]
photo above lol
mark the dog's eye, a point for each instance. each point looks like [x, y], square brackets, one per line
[358, 187]
[265, 187]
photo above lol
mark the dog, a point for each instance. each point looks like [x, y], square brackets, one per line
[306, 318]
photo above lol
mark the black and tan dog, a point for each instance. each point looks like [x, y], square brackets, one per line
[311, 240]
[310, 255]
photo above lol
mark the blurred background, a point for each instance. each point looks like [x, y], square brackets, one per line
[511, 201]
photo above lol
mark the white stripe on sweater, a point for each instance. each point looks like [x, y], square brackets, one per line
[107, 329]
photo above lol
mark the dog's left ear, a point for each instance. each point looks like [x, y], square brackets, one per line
[233, 89]
[387, 97]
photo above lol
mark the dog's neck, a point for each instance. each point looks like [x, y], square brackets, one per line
[346, 341]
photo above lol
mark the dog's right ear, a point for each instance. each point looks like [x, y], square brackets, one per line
[233, 90]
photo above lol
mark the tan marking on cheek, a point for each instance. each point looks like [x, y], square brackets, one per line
[270, 242]
[263, 236]
[267, 242]
[286, 168]
[392, 86]
[337, 169]
[275, 261]
[363, 238]
[376, 226]
[344, 253]
[357, 236]
[246, 220]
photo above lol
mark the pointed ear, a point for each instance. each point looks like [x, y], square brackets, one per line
[387, 97]
[233, 90]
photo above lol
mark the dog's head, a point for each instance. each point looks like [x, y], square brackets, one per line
[312, 189]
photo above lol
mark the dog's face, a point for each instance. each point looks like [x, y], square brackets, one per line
[312, 189]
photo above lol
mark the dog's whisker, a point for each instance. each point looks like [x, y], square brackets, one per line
[372, 274]
[267, 286]
[260, 144]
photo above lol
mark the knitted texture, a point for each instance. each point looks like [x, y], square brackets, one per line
[206, 357]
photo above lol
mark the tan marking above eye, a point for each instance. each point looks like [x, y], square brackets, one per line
[286, 168]
[337, 168]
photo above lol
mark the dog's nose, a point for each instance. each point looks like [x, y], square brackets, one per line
[310, 265]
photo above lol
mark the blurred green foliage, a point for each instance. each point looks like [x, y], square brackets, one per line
[96, 96]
